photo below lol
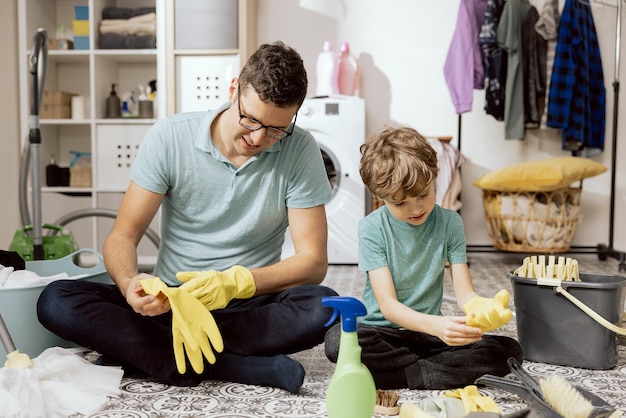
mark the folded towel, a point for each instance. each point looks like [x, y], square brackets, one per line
[125, 12]
[116, 41]
[142, 25]
[127, 28]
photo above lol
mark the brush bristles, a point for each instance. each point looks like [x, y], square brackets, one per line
[386, 402]
[387, 398]
[564, 398]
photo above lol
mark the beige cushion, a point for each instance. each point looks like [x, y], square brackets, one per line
[539, 176]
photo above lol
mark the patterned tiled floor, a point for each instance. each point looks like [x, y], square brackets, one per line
[148, 398]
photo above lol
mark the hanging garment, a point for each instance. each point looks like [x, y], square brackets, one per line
[577, 102]
[534, 70]
[510, 39]
[463, 68]
[494, 60]
[548, 27]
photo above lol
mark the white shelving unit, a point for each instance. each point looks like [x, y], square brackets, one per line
[90, 73]
[208, 43]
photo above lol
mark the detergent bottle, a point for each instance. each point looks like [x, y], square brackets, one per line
[348, 73]
[326, 72]
[351, 392]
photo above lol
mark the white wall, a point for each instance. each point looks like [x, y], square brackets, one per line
[401, 47]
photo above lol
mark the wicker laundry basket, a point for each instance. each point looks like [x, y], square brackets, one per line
[534, 222]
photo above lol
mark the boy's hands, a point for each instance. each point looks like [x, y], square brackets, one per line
[453, 330]
[488, 313]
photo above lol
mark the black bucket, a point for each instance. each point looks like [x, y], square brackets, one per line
[551, 329]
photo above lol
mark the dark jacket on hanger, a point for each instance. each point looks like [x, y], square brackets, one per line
[534, 49]
[495, 59]
[577, 93]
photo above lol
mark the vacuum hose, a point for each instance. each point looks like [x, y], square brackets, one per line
[38, 67]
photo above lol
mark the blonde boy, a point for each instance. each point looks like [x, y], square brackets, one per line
[403, 248]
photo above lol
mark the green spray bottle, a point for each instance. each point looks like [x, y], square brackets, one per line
[351, 392]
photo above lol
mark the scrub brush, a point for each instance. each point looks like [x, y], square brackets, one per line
[387, 402]
[569, 402]
[563, 268]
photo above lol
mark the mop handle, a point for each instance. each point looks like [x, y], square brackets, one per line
[5, 337]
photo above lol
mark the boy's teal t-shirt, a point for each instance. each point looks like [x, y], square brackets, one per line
[415, 254]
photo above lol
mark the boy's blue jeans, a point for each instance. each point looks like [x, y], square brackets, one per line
[98, 317]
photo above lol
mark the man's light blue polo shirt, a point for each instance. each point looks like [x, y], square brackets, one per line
[215, 215]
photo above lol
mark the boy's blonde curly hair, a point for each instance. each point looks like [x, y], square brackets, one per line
[396, 163]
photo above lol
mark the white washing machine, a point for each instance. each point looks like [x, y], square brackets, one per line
[338, 125]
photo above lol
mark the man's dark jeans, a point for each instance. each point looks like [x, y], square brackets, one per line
[98, 317]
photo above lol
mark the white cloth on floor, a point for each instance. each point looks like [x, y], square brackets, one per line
[58, 384]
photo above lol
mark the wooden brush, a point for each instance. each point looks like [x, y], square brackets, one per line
[387, 402]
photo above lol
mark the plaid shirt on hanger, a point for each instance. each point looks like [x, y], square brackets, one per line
[577, 94]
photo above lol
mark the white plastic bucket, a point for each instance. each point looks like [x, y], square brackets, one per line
[18, 306]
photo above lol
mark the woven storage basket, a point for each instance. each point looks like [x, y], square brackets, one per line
[542, 222]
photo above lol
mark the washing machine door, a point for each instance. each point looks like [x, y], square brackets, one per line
[333, 169]
[347, 204]
[342, 169]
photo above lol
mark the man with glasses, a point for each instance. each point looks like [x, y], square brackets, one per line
[228, 181]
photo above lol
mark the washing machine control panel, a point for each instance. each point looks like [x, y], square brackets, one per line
[332, 108]
[312, 108]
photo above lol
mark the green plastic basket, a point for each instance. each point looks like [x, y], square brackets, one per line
[54, 246]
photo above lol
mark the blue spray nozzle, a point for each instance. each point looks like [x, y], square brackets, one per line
[346, 306]
[77, 155]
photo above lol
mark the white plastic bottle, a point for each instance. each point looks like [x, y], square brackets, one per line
[348, 75]
[326, 72]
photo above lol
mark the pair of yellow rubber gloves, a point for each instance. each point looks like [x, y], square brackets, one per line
[194, 331]
[488, 313]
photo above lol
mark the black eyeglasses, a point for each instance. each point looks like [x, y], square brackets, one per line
[254, 125]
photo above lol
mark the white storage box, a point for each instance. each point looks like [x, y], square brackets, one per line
[117, 146]
[19, 305]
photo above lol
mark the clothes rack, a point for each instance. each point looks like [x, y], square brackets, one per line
[604, 251]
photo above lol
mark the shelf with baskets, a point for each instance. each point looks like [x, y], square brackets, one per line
[90, 71]
[80, 81]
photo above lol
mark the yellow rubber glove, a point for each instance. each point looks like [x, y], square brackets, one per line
[473, 401]
[216, 288]
[488, 314]
[193, 327]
